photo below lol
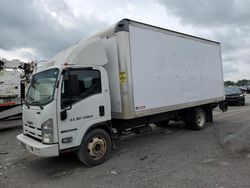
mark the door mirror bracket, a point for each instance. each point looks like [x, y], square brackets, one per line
[64, 112]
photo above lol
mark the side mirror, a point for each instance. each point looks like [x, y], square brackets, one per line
[72, 90]
[63, 113]
[22, 84]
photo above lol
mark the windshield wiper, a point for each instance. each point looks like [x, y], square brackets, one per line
[37, 103]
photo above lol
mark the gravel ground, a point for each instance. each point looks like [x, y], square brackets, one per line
[218, 156]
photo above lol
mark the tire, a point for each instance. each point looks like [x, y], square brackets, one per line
[95, 147]
[163, 123]
[196, 119]
[242, 103]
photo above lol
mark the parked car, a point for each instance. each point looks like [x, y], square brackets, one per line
[243, 88]
[234, 96]
[247, 90]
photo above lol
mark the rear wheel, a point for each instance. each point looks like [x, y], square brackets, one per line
[95, 147]
[196, 119]
[241, 103]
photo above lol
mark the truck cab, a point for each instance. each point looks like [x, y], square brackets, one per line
[67, 108]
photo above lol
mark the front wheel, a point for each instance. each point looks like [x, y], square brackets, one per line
[95, 147]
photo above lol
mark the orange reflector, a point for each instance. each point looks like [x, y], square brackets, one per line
[8, 104]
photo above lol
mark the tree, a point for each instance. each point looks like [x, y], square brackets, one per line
[243, 82]
[229, 83]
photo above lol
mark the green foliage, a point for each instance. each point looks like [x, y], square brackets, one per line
[229, 83]
[243, 82]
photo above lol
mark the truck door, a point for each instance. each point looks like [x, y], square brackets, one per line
[82, 103]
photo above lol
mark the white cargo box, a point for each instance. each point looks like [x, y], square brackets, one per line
[153, 70]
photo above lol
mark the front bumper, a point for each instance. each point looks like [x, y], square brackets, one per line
[235, 99]
[38, 148]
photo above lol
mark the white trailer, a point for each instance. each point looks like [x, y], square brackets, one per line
[119, 81]
[11, 74]
[10, 77]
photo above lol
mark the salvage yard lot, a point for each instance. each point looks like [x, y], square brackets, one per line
[218, 156]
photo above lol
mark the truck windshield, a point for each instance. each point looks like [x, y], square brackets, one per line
[42, 87]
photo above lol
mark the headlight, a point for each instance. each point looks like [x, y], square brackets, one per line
[242, 95]
[48, 132]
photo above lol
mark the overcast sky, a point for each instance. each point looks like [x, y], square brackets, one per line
[38, 29]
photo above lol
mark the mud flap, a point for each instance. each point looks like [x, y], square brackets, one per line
[223, 106]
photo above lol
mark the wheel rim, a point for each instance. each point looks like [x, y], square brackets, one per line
[96, 147]
[200, 119]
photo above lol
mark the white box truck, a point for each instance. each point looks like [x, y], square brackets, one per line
[120, 80]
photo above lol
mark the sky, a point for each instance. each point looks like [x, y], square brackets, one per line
[38, 29]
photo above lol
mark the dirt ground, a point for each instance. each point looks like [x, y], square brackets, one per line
[218, 156]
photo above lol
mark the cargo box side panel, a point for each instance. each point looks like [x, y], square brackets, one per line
[112, 68]
[170, 70]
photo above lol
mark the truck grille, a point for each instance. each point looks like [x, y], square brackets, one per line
[33, 132]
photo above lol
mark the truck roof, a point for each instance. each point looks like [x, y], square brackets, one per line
[123, 25]
[92, 42]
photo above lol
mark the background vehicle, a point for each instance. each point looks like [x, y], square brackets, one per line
[118, 82]
[234, 96]
[10, 77]
[11, 74]
[248, 90]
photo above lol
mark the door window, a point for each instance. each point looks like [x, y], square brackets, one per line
[79, 84]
